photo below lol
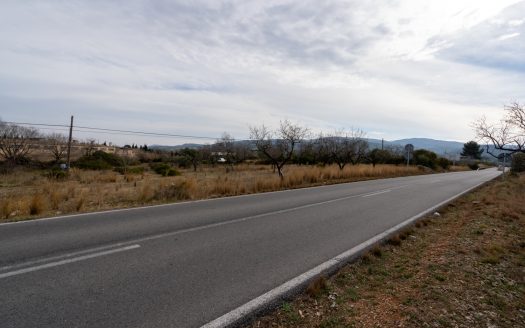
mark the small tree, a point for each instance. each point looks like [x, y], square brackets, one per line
[193, 155]
[378, 156]
[226, 146]
[472, 150]
[278, 146]
[57, 145]
[344, 147]
[15, 141]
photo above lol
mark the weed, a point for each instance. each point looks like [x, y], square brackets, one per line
[376, 251]
[36, 206]
[317, 287]
[54, 198]
[332, 322]
[80, 203]
[394, 240]
[366, 259]
[287, 307]
[439, 277]
[5, 209]
[351, 294]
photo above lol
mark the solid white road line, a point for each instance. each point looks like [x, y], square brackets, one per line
[66, 261]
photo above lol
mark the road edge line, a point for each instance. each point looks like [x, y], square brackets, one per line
[274, 297]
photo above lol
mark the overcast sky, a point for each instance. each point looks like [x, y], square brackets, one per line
[394, 69]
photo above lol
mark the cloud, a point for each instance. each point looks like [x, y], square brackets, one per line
[399, 68]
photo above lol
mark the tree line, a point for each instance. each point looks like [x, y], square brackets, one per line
[289, 143]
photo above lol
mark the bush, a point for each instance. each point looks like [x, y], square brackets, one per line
[99, 161]
[425, 158]
[56, 173]
[473, 166]
[130, 170]
[164, 169]
[444, 163]
[518, 163]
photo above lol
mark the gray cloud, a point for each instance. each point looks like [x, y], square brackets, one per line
[203, 67]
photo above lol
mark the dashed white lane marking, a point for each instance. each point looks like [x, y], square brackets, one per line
[66, 261]
[377, 193]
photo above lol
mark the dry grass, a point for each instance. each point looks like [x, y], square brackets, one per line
[27, 194]
[464, 269]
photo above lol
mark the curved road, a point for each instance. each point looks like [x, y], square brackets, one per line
[185, 264]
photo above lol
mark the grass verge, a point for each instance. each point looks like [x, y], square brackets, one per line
[465, 268]
[29, 194]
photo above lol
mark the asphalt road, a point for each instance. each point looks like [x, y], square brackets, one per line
[185, 264]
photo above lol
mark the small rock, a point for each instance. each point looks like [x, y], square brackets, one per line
[436, 214]
[301, 314]
[476, 202]
[318, 314]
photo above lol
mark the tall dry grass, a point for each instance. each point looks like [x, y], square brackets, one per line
[31, 194]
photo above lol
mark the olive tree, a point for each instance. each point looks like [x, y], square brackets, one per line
[278, 146]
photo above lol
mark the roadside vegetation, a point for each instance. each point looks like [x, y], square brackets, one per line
[28, 193]
[35, 182]
[463, 268]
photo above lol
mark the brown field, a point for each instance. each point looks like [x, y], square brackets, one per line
[465, 268]
[26, 194]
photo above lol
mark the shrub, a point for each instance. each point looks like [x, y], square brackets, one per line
[518, 163]
[99, 160]
[473, 166]
[425, 158]
[181, 190]
[130, 170]
[164, 169]
[56, 173]
[37, 205]
[444, 163]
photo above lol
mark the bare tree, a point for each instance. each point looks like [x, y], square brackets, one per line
[226, 144]
[57, 145]
[90, 147]
[343, 147]
[278, 146]
[16, 141]
[506, 135]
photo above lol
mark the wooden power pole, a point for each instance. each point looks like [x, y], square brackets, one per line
[69, 143]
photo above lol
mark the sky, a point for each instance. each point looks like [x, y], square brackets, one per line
[394, 69]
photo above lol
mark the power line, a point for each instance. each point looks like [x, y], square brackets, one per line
[113, 131]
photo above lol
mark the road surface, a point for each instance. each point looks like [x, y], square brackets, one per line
[183, 265]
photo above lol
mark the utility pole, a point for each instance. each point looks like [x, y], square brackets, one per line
[69, 144]
[382, 144]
